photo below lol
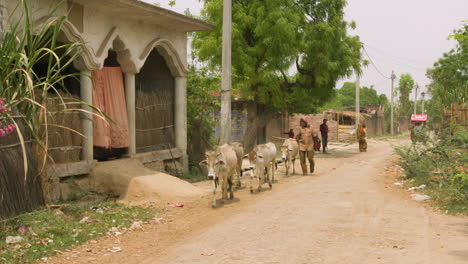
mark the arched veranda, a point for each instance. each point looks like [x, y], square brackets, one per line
[155, 108]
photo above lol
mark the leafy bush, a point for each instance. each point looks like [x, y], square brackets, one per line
[440, 163]
[416, 163]
[24, 90]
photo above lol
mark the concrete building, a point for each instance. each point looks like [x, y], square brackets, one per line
[149, 43]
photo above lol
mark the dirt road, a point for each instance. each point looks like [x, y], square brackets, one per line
[347, 212]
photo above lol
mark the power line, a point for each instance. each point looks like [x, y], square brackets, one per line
[405, 61]
[373, 64]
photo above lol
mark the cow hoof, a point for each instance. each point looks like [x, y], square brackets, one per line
[251, 191]
[213, 206]
[271, 186]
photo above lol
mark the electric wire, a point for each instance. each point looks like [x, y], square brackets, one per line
[403, 60]
[373, 64]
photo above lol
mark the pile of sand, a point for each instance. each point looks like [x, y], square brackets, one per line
[136, 184]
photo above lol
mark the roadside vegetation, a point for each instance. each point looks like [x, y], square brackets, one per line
[440, 161]
[48, 232]
[440, 164]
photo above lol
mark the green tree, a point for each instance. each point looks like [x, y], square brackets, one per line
[450, 73]
[383, 100]
[405, 88]
[271, 36]
[345, 97]
[201, 85]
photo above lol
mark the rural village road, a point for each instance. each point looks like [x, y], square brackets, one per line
[349, 211]
[336, 216]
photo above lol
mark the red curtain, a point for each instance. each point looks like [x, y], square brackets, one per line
[109, 96]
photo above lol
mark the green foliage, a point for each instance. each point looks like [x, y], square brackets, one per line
[64, 229]
[22, 48]
[450, 73]
[271, 36]
[201, 86]
[416, 163]
[405, 88]
[440, 163]
[346, 97]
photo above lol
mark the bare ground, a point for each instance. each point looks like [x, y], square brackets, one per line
[347, 212]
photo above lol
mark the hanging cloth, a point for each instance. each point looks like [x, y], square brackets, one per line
[109, 96]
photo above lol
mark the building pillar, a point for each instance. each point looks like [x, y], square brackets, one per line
[181, 118]
[130, 101]
[86, 93]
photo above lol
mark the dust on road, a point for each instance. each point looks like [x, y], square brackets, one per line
[342, 214]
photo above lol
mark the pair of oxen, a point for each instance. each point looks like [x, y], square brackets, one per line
[228, 163]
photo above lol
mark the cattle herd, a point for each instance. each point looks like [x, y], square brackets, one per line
[228, 163]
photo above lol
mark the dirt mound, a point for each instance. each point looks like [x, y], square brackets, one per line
[136, 184]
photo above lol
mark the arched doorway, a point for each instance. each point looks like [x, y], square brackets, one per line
[64, 142]
[155, 94]
[111, 139]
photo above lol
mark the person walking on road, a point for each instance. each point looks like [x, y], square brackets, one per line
[361, 137]
[306, 145]
[324, 132]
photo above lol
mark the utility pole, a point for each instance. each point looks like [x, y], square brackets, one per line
[422, 103]
[358, 109]
[416, 99]
[393, 76]
[225, 123]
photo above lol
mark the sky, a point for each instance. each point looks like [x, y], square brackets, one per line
[406, 36]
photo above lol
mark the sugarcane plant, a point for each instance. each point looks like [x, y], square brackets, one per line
[23, 91]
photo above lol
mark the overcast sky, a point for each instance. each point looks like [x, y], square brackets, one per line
[406, 36]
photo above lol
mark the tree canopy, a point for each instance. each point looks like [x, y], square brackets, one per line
[345, 97]
[286, 54]
[405, 88]
[450, 73]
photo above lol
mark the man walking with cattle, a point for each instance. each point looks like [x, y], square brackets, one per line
[306, 145]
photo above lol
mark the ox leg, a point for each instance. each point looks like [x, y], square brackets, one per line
[224, 187]
[273, 172]
[251, 184]
[268, 180]
[239, 175]
[294, 166]
[260, 180]
[215, 186]
[286, 164]
[231, 189]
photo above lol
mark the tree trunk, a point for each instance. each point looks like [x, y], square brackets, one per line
[256, 119]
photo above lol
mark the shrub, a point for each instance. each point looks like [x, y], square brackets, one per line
[440, 163]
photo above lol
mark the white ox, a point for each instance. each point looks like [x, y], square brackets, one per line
[221, 164]
[289, 151]
[239, 149]
[259, 165]
[268, 151]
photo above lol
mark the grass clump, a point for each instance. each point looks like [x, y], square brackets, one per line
[440, 163]
[47, 232]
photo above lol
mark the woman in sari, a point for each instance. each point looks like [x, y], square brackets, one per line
[361, 137]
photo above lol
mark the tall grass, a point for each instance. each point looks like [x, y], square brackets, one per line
[24, 46]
